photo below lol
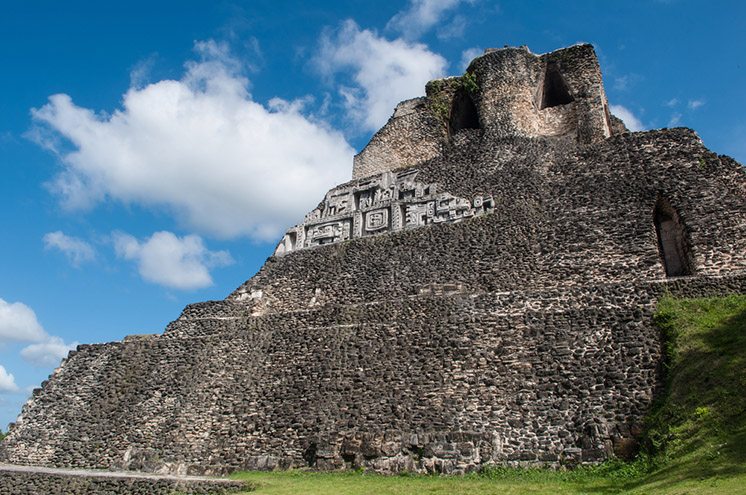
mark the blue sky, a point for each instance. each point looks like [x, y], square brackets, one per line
[153, 152]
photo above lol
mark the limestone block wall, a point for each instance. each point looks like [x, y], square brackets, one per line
[14, 482]
[522, 336]
[411, 136]
[434, 383]
[561, 217]
[511, 92]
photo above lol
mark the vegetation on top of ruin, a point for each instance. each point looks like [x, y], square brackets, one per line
[440, 93]
[695, 440]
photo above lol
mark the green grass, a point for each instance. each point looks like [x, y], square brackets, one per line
[695, 441]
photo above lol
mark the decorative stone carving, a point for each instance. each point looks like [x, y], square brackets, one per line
[389, 202]
[337, 204]
[314, 215]
[327, 233]
[365, 198]
[450, 208]
[418, 213]
[287, 243]
[376, 220]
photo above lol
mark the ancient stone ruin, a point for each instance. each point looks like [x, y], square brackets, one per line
[381, 204]
[479, 293]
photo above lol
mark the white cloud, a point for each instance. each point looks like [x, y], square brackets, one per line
[454, 29]
[140, 73]
[76, 250]
[201, 148]
[674, 120]
[468, 55]
[175, 262]
[48, 353]
[7, 381]
[421, 16]
[383, 72]
[695, 104]
[672, 102]
[633, 123]
[18, 323]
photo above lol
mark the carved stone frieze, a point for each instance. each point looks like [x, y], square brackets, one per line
[389, 202]
[377, 220]
[327, 233]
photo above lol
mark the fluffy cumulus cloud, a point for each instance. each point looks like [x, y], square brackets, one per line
[76, 250]
[199, 147]
[382, 72]
[18, 323]
[175, 262]
[422, 15]
[47, 353]
[633, 123]
[7, 381]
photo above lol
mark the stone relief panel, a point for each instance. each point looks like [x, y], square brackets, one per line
[287, 243]
[390, 202]
[376, 220]
[337, 204]
[327, 233]
[417, 214]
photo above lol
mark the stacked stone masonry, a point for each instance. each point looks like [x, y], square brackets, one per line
[15, 480]
[512, 325]
[508, 93]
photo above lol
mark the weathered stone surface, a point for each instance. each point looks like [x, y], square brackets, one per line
[425, 137]
[509, 92]
[377, 205]
[17, 480]
[519, 334]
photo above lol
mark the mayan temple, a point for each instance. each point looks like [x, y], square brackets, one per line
[481, 292]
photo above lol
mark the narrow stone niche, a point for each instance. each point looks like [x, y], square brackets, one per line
[673, 245]
[463, 113]
[555, 91]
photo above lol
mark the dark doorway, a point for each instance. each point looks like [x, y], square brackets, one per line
[672, 242]
[309, 454]
[555, 91]
[463, 113]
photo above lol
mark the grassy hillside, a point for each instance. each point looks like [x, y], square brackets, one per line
[697, 434]
[695, 441]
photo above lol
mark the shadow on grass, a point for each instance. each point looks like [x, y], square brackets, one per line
[699, 431]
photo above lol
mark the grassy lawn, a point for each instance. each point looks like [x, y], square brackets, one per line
[287, 483]
[695, 443]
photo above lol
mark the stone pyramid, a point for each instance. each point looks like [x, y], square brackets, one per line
[480, 292]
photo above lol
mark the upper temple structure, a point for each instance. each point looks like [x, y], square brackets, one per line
[504, 93]
[481, 292]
